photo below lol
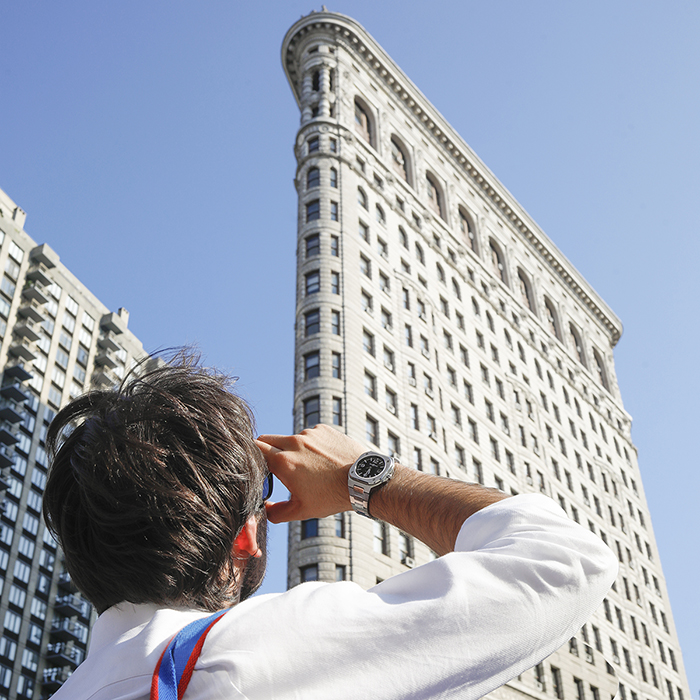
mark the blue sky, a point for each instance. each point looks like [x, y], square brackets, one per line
[150, 143]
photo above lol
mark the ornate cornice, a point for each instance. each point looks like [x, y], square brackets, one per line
[344, 30]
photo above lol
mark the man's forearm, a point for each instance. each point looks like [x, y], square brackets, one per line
[314, 466]
[430, 508]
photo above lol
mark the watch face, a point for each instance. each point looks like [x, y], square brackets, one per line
[370, 467]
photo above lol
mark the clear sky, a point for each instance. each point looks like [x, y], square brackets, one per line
[150, 142]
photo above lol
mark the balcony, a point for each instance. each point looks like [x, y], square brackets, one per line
[105, 358]
[10, 411]
[34, 291]
[70, 605]
[108, 342]
[38, 272]
[44, 254]
[32, 310]
[24, 349]
[7, 435]
[18, 371]
[26, 328]
[113, 322]
[55, 676]
[60, 655]
[62, 628]
[14, 390]
[66, 582]
[7, 456]
[104, 377]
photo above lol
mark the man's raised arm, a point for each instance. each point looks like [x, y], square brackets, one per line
[314, 467]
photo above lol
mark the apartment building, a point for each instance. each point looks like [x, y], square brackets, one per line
[56, 341]
[437, 322]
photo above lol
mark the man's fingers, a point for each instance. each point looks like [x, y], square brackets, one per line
[282, 512]
[281, 442]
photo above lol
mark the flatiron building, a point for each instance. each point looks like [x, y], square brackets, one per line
[436, 321]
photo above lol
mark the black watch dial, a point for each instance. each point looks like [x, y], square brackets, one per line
[370, 467]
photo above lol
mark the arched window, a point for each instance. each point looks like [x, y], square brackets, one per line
[362, 198]
[497, 261]
[578, 345]
[434, 196]
[419, 254]
[467, 228]
[381, 217]
[441, 273]
[552, 318]
[456, 289]
[600, 366]
[399, 159]
[363, 122]
[526, 291]
[313, 178]
[403, 237]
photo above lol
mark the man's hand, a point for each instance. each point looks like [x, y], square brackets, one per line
[314, 467]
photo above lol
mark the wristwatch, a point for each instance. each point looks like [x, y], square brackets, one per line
[370, 471]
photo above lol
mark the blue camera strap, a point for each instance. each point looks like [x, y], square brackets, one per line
[174, 669]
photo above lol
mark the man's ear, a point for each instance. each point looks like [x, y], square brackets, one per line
[246, 543]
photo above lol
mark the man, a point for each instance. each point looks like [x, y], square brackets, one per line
[156, 497]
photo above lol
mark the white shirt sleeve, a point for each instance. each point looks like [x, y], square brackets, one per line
[523, 579]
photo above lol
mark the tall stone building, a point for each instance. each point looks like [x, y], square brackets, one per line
[436, 321]
[56, 340]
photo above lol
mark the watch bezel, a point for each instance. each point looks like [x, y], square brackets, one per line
[373, 480]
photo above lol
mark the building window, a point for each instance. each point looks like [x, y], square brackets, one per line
[335, 246]
[313, 178]
[370, 383]
[312, 412]
[405, 547]
[313, 144]
[311, 365]
[381, 545]
[551, 318]
[309, 573]
[335, 323]
[363, 123]
[309, 528]
[417, 459]
[398, 159]
[337, 411]
[313, 282]
[381, 216]
[362, 198]
[335, 365]
[602, 374]
[372, 430]
[434, 195]
[313, 245]
[467, 229]
[334, 211]
[335, 283]
[526, 291]
[497, 261]
[391, 401]
[368, 342]
[394, 445]
[312, 322]
[339, 525]
[578, 345]
[313, 210]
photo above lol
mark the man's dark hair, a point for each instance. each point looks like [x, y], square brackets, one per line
[149, 485]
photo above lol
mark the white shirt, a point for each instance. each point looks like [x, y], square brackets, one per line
[522, 581]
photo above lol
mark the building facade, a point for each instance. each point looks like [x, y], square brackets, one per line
[436, 321]
[56, 341]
